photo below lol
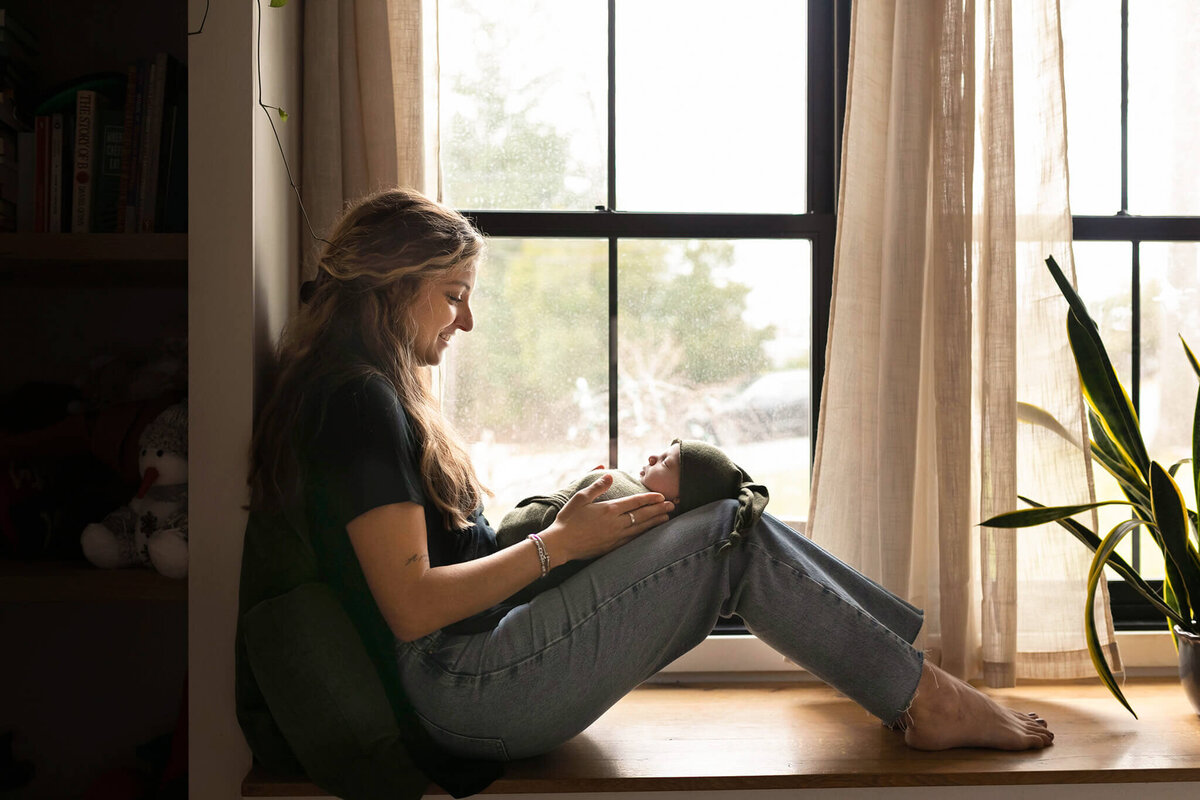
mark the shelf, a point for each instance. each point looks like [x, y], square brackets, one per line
[75, 581]
[93, 259]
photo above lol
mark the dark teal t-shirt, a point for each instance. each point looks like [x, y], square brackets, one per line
[364, 454]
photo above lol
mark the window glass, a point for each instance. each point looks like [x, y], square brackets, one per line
[1104, 277]
[1104, 273]
[523, 97]
[1170, 309]
[711, 109]
[1091, 32]
[714, 344]
[521, 388]
[1164, 107]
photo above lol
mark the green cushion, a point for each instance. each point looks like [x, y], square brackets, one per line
[325, 696]
[310, 699]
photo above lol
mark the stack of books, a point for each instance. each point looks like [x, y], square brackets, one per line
[109, 152]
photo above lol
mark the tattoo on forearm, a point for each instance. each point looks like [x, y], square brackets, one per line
[415, 558]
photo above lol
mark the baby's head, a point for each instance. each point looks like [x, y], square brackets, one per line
[691, 473]
[663, 472]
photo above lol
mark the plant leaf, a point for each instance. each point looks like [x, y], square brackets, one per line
[1101, 386]
[1028, 412]
[1095, 573]
[1117, 564]
[1195, 437]
[1105, 395]
[1131, 483]
[1191, 356]
[1039, 515]
[1170, 515]
[1121, 462]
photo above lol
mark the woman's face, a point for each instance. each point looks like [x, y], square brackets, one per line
[441, 309]
[661, 473]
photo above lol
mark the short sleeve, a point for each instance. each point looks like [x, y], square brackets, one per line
[365, 453]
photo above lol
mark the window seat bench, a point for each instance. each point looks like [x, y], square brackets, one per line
[738, 737]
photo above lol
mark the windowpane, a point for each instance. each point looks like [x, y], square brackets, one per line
[523, 103]
[711, 105]
[520, 388]
[1104, 277]
[1092, 71]
[1104, 273]
[1164, 107]
[1170, 309]
[713, 344]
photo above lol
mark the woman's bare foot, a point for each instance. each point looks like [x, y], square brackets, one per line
[946, 712]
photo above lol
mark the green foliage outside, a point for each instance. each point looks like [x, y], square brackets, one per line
[542, 305]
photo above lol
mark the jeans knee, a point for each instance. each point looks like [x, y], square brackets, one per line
[713, 522]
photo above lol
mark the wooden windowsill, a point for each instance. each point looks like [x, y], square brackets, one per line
[796, 736]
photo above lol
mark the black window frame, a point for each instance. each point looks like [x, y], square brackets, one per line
[1129, 609]
[828, 53]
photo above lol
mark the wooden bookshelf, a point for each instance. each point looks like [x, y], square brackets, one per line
[78, 581]
[91, 259]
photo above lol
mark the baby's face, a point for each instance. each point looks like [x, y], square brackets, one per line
[661, 473]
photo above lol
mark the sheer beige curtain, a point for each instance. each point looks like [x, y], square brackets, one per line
[953, 192]
[368, 113]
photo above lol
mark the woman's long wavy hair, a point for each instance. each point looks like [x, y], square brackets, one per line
[357, 322]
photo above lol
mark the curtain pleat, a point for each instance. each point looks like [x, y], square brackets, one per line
[365, 105]
[943, 317]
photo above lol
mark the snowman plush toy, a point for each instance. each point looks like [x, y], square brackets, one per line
[151, 530]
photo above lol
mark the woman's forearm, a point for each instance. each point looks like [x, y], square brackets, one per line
[441, 596]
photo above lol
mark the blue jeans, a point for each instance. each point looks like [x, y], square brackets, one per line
[554, 665]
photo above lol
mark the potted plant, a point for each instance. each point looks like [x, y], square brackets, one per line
[1150, 491]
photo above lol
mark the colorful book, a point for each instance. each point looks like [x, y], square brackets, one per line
[83, 166]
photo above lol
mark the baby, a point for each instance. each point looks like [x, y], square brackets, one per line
[688, 473]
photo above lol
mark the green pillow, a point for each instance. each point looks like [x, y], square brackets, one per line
[309, 697]
[323, 693]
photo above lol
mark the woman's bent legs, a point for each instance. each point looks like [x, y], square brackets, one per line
[556, 664]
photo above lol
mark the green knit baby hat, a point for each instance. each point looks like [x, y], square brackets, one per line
[706, 475]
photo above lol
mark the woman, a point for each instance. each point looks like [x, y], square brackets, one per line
[496, 664]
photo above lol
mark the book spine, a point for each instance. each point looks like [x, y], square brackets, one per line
[173, 118]
[26, 163]
[108, 171]
[127, 146]
[55, 183]
[151, 144]
[41, 168]
[135, 161]
[84, 166]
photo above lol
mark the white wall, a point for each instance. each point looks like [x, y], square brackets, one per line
[242, 241]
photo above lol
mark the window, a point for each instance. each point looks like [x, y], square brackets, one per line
[1132, 108]
[657, 179]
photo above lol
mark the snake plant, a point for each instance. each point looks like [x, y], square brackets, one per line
[1150, 491]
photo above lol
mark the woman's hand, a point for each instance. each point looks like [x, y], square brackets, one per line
[585, 528]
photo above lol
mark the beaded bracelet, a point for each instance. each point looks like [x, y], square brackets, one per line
[543, 558]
